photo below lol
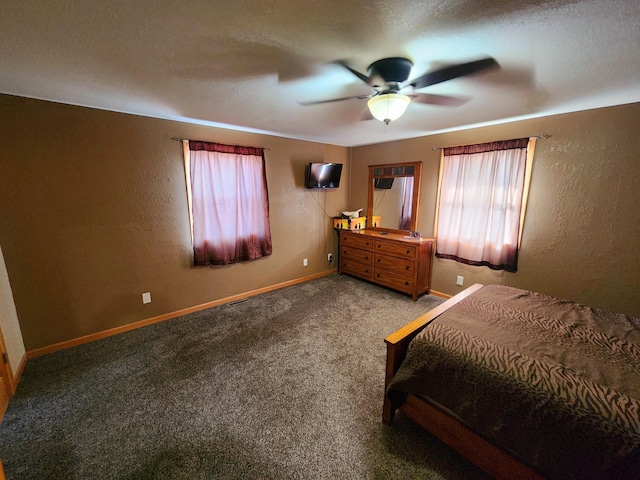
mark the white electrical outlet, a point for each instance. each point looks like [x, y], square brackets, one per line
[305, 262]
[459, 280]
[146, 297]
[330, 257]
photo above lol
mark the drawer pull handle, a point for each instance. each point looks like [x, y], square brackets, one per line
[367, 257]
[408, 252]
[406, 283]
[379, 246]
[407, 267]
[378, 275]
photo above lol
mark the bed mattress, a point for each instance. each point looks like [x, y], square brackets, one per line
[553, 382]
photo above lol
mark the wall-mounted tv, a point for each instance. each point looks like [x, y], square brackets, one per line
[323, 175]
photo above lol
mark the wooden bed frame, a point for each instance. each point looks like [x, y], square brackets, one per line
[492, 459]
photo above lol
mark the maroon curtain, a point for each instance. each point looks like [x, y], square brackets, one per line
[230, 203]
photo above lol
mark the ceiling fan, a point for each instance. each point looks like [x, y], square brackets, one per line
[393, 91]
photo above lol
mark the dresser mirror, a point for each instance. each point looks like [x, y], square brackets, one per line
[394, 195]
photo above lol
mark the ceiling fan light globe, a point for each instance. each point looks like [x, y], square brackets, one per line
[388, 106]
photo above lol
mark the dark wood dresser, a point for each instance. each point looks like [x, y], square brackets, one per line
[391, 260]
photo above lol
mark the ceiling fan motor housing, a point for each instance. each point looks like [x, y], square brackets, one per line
[391, 70]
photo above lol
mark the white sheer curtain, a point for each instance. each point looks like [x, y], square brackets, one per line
[481, 203]
[229, 203]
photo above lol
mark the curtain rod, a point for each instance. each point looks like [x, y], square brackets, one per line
[543, 136]
[189, 140]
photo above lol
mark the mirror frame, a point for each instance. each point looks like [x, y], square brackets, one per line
[396, 170]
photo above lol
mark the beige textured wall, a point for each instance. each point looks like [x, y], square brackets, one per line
[93, 212]
[581, 238]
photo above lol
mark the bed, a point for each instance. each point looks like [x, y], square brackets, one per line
[522, 384]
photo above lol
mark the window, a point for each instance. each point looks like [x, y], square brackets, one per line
[228, 202]
[481, 202]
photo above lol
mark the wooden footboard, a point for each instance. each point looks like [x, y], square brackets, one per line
[490, 458]
[398, 342]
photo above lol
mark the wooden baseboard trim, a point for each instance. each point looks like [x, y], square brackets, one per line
[167, 316]
[439, 294]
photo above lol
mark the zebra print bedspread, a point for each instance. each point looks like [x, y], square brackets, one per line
[554, 382]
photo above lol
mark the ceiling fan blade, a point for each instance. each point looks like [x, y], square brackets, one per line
[331, 100]
[454, 71]
[438, 99]
[361, 76]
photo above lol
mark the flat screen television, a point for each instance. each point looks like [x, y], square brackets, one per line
[323, 175]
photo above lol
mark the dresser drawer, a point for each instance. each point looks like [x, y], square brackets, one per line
[356, 269]
[401, 266]
[357, 255]
[407, 251]
[356, 241]
[391, 260]
[392, 280]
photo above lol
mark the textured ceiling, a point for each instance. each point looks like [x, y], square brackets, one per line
[248, 64]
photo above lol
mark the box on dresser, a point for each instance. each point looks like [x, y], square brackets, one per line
[341, 223]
